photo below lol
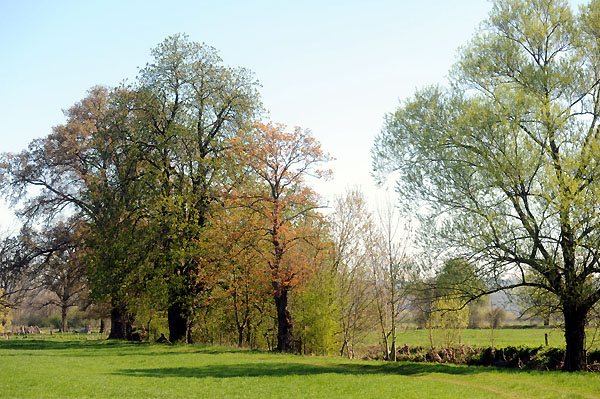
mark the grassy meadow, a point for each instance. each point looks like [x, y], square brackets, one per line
[482, 337]
[78, 368]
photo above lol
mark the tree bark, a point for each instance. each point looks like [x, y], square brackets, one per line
[575, 357]
[240, 336]
[63, 312]
[120, 324]
[284, 322]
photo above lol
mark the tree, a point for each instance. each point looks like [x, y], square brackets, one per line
[503, 166]
[423, 299]
[316, 309]
[17, 256]
[5, 315]
[244, 280]
[458, 280]
[189, 105]
[391, 273]
[141, 165]
[351, 224]
[84, 169]
[63, 270]
[280, 162]
[450, 317]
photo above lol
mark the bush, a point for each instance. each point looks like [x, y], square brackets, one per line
[53, 321]
[534, 358]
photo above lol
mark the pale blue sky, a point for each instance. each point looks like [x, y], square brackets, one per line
[334, 67]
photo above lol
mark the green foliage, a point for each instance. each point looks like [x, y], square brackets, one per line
[315, 308]
[451, 317]
[53, 321]
[458, 278]
[5, 319]
[496, 316]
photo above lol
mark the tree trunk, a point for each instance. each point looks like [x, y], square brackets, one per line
[249, 335]
[178, 320]
[120, 324]
[284, 321]
[344, 348]
[575, 358]
[240, 336]
[63, 312]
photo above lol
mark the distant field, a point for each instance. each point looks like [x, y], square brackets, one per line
[482, 337]
[53, 368]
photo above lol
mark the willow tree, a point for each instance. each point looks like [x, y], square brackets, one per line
[505, 163]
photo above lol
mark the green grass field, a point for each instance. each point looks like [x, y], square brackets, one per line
[482, 337]
[54, 368]
[503, 337]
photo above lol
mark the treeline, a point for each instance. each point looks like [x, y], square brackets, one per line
[167, 203]
[167, 206]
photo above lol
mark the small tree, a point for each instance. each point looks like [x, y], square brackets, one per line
[391, 274]
[63, 269]
[450, 316]
[316, 309]
[495, 316]
[350, 226]
[5, 316]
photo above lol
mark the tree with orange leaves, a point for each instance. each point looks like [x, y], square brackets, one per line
[279, 163]
[243, 282]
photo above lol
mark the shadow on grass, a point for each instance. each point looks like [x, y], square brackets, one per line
[102, 347]
[211, 350]
[280, 369]
[52, 345]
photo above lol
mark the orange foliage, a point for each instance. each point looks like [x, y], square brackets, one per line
[280, 161]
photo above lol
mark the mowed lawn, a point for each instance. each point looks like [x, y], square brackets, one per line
[103, 369]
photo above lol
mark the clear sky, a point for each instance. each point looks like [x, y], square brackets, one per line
[335, 67]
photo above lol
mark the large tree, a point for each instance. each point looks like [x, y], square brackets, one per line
[279, 162]
[141, 165]
[505, 163]
[189, 105]
[85, 168]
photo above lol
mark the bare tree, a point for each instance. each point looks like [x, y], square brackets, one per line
[351, 223]
[391, 271]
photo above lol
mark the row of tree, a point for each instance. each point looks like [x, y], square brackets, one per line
[161, 189]
[179, 203]
[167, 201]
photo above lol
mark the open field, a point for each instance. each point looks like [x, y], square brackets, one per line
[503, 337]
[482, 337]
[102, 369]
